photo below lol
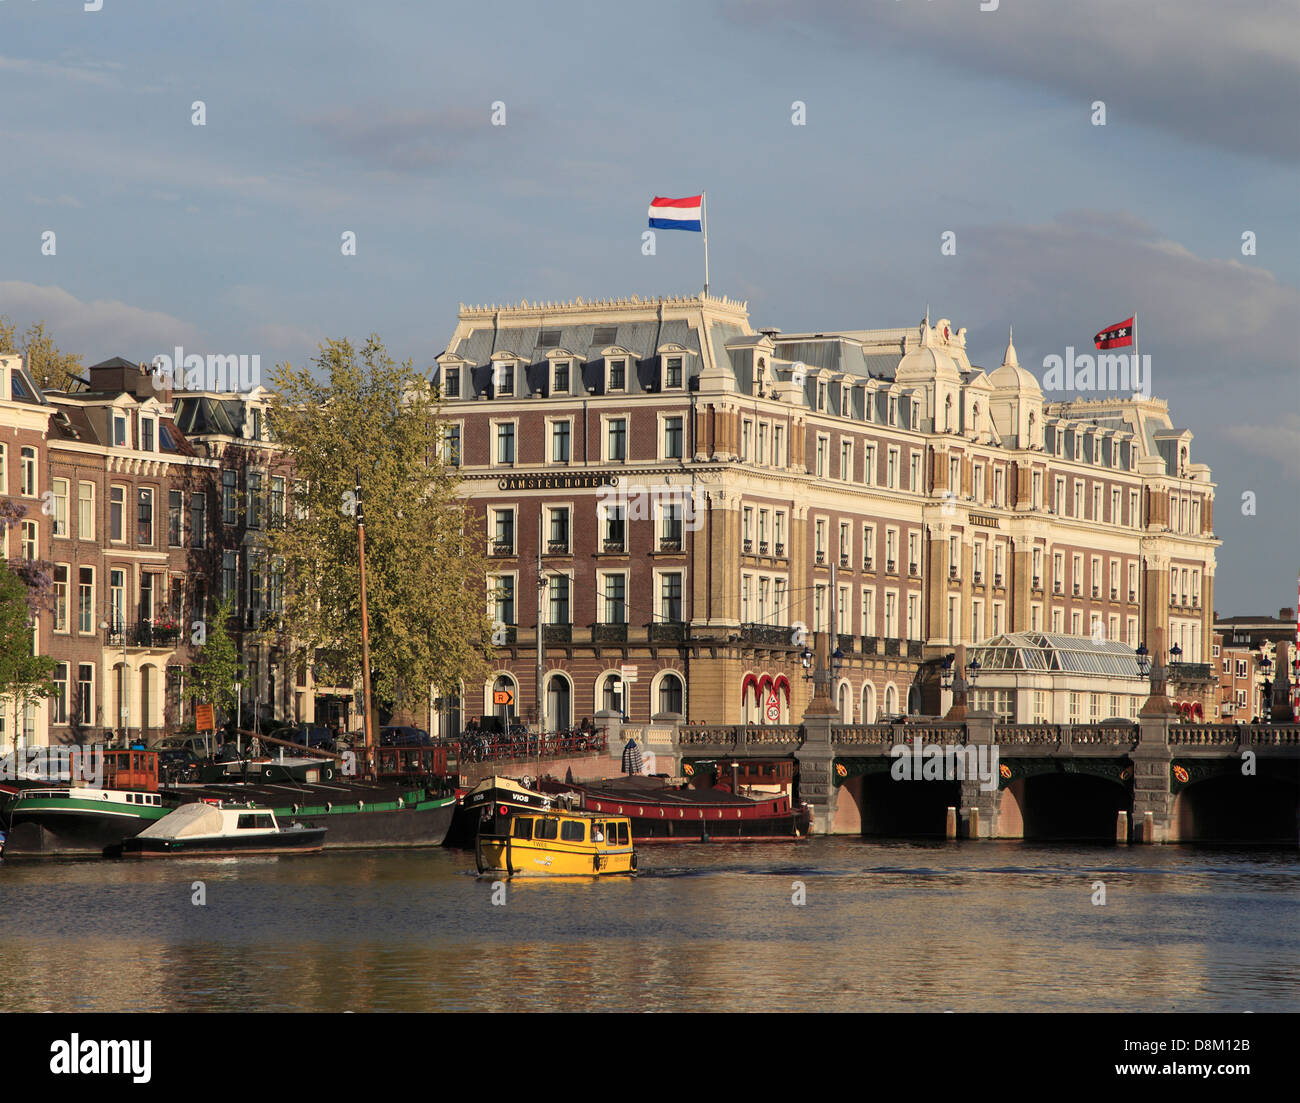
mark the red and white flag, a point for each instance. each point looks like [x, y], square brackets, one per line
[1118, 336]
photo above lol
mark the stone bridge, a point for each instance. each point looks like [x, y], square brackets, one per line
[1154, 780]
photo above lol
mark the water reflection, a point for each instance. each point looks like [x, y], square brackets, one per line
[885, 926]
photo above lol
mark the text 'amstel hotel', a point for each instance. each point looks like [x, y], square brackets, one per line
[698, 485]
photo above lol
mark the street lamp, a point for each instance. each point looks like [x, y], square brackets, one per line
[945, 672]
[1266, 705]
[807, 659]
[1175, 655]
[972, 671]
[1143, 660]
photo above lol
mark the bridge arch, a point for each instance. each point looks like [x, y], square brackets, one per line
[1231, 807]
[1062, 804]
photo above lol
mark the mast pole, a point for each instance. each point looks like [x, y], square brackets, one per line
[539, 692]
[365, 634]
[704, 225]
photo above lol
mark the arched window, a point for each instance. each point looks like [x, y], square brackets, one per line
[611, 694]
[559, 703]
[868, 703]
[670, 694]
[845, 704]
[891, 700]
[504, 683]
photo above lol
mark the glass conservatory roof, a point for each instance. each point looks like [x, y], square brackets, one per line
[1048, 652]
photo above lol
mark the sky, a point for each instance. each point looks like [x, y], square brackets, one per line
[920, 118]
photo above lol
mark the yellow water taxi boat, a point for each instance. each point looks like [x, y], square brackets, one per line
[516, 837]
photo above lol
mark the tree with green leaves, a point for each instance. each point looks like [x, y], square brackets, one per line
[49, 367]
[361, 411]
[24, 675]
[216, 671]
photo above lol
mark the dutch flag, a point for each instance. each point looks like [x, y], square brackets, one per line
[675, 214]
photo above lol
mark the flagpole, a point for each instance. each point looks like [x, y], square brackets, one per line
[1137, 355]
[704, 225]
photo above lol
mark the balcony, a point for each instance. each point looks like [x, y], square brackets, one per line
[1096, 591]
[144, 634]
[821, 557]
[557, 547]
[845, 644]
[501, 548]
[670, 543]
[767, 635]
[893, 647]
[1038, 583]
[609, 633]
[614, 547]
[868, 564]
[979, 578]
[1114, 593]
[1077, 589]
[507, 635]
[1057, 587]
[667, 631]
[844, 561]
[914, 648]
[952, 574]
[890, 566]
[997, 582]
[780, 551]
[869, 645]
[913, 569]
[1184, 673]
[762, 547]
[1132, 595]
[748, 547]
[557, 633]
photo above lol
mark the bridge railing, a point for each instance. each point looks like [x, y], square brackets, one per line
[1206, 735]
[1028, 735]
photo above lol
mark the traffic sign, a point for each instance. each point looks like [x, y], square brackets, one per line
[204, 720]
[503, 697]
[773, 708]
[627, 672]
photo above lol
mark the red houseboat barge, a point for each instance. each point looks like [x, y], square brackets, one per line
[663, 812]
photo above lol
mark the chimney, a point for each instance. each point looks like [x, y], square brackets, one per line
[1286, 614]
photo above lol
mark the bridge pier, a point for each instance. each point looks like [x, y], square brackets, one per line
[1153, 800]
[814, 757]
[980, 806]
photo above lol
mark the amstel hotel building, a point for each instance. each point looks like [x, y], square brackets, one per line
[705, 493]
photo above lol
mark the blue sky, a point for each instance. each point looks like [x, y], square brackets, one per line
[922, 116]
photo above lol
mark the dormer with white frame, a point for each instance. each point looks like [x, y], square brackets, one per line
[506, 374]
[453, 370]
[618, 367]
[561, 365]
[673, 373]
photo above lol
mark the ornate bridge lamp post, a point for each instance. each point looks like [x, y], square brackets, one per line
[960, 680]
[806, 658]
[1266, 702]
[1157, 702]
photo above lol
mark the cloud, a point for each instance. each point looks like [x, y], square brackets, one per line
[400, 140]
[96, 330]
[1225, 75]
[102, 73]
[1277, 442]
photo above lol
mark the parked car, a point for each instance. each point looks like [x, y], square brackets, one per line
[401, 735]
[312, 736]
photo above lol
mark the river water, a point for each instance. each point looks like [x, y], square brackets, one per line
[884, 926]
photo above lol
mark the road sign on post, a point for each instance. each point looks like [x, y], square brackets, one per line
[627, 673]
[503, 697]
[204, 719]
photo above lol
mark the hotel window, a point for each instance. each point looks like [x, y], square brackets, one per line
[762, 443]
[451, 383]
[1038, 567]
[821, 395]
[893, 410]
[820, 530]
[30, 540]
[229, 497]
[451, 446]
[506, 442]
[779, 607]
[915, 475]
[846, 460]
[822, 444]
[60, 598]
[560, 431]
[1035, 618]
[1038, 489]
[891, 614]
[229, 574]
[868, 464]
[778, 445]
[1058, 573]
[954, 474]
[616, 439]
[868, 546]
[746, 439]
[670, 596]
[61, 490]
[673, 438]
[1134, 517]
[913, 617]
[1114, 580]
[1096, 502]
[615, 599]
[1116, 508]
[819, 608]
[558, 537]
[842, 611]
[778, 532]
[1076, 623]
[762, 532]
[1096, 576]
[1076, 576]
[4, 470]
[844, 544]
[1078, 498]
[892, 482]
[1058, 621]
[999, 486]
[559, 599]
[144, 516]
[978, 558]
[998, 577]
[86, 599]
[764, 585]
[29, 472]
[1132, 639]
[503, 379]
[560, 378]
[117, 600]
[1058, 501]
[84, 708]
[614, 531]
[503, 531]
[503, 599]
[914, 553]
[746, 584]
[617, 371]
[747, 526]
[868, 611]
[119, 430]
[977, 481]
[1113, 629]
[254, 491]
[673, 372]
[198, 519]
[891, 548]
[671, 539]
[977, 620]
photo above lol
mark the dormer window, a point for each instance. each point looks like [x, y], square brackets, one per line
[893, 409]
[505, 380]
[146, 434]
[119, 430]
[672, 372]
[822, 391]
[616, 376]
[560, 377]
[257, 423]
[451, 383]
